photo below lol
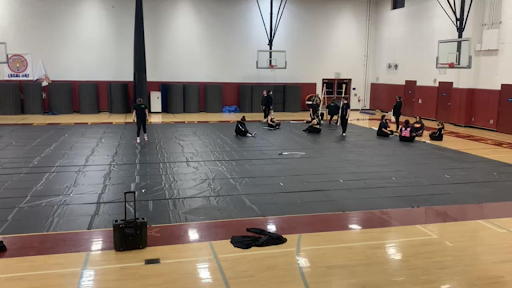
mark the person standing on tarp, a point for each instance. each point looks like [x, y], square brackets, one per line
[397, 111]
[344, 114]
[266, 104]
[141, 116]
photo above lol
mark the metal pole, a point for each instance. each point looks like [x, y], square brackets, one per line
[460, 28]
[270, 42]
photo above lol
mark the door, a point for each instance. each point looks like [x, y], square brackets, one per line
[341, 90]
[444, 101]
[505, 109]
[409, 98]
[329, 88]
[156, 101]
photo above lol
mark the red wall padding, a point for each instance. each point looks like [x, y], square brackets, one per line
[426, 102]
[485, 108]
[383, 96]
[462, 105]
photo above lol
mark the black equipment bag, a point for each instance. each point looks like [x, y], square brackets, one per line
[130, 234]
[3, 248]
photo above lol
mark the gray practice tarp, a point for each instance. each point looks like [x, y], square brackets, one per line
[213, 98]
[10, 100]
[60, 98]
[292, 98]
[245, 98]
[32, 98]
[191, 95]
[73, 177]
[88, 94]
[118, 101]
[175, 101]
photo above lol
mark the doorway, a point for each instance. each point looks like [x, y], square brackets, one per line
[444, 101]
[337, 88]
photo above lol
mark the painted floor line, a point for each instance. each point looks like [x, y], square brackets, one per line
[491, 226]
[89, 268]
[432, 234]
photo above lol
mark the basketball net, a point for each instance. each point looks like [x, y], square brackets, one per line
[443, 67]
[272, 67]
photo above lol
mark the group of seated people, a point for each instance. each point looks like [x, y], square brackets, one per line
[315, 125]
[408, 132]
[241, 128]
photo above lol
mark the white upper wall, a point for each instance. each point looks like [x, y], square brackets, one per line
[76, 39]
[409, 37]
[188, 40]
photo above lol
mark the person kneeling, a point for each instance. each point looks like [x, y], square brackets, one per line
[333, 109]
[271, 121]
[315, 126]
[418, 127]
[383, 127]
[406, 134]
[241, 129]
[438, 135]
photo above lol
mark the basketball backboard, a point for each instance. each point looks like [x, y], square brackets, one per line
[271, 59]
[454, 54]
[3, 53]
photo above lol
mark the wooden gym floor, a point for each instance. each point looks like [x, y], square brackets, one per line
[445, 246]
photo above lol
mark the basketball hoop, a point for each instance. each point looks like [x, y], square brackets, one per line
[272, 67]
[443, 67]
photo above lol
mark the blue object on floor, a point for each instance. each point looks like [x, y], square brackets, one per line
[230, 109]
[367, 112]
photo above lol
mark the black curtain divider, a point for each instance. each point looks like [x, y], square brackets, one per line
[140, 82]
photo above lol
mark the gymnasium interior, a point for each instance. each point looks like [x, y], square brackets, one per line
[94, 192]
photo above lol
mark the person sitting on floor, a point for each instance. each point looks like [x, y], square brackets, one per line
[271, 121]
[406, 134]
[438, 135]
[418, 127]
[383, 127]
[315, 126]
[333, 109]
[241, 129]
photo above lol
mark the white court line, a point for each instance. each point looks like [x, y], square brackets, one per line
[367, 243]
[495, 228]
[256, 252]
[220, 256]
[40, 272]
[142, 263]
[433, 235]
[448, 243]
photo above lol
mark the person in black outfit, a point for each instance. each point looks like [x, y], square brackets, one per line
[438, 135]
[344, 114]
[418, 127]
[141, 116]
[241, 129]
[333, 109]
[315, 126]
[397, 111]
[314, 105]
[406, 134]
[266, 104]
[271, 121]
[383, 127]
